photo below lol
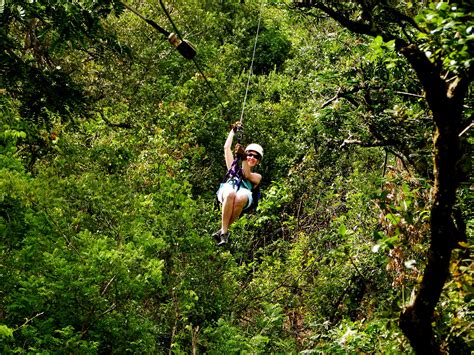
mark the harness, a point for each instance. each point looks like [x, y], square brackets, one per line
[237, 182]
[235, 173]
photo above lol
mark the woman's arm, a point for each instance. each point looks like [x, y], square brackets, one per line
[254, 178]
[229, 157]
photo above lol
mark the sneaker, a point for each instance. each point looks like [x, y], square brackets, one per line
[217, 235]
[224, 239]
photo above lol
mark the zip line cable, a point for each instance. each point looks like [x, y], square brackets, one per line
[150, 22]
[182, 46]
[170, 19]
[187, 51]
[199, 68]
[208, 83]
[194, 58]
[251, 63]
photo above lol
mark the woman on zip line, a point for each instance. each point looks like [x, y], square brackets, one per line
[235, 194]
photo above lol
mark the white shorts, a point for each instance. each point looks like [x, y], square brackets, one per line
[229, 186]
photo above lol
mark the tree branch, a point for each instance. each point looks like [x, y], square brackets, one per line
[401, 18]
[344, 94]
[460, 85]
[377, 143]
[466, 129]
[428, 73]
[29, 320]
[425, 69]
[409, 94]
[107, 286]
[354, 26]
[335, 97]
[111, 124]
[358, 142]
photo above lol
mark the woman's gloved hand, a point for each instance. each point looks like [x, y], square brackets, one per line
[237, 127]
[240, 151]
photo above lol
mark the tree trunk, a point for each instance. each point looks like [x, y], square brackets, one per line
[416, 319]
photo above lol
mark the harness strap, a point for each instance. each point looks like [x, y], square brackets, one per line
[234, 171]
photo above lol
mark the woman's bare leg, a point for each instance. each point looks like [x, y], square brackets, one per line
[228, 210]
[239, 203]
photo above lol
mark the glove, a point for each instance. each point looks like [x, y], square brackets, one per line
[237, 127]
[239, 151]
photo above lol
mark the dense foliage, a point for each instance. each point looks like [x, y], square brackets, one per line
[111, 152]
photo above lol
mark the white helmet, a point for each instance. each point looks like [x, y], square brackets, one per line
[256, 148]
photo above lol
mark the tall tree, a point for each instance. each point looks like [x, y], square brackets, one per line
[435, 40]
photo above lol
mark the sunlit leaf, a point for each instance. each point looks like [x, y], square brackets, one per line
[376, 248]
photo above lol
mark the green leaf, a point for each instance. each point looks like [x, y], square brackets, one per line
[394, 219]
[342, 230]
[6, 331]
[442, 6]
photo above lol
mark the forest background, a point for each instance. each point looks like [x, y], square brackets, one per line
[111, 150]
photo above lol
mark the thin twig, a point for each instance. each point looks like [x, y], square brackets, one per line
[28, 321]
[300, 205]
[110, 309]
[335, 97]
[60, 231]
[409, 94]
[357, 269]
[466, 129]
[107, 286]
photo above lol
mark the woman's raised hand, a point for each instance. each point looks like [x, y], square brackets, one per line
[237, 126]
[240, 151]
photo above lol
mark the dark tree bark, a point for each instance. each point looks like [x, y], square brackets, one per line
[446, 103]
[445, 99]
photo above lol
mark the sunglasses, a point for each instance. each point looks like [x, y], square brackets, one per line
[256, 156]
